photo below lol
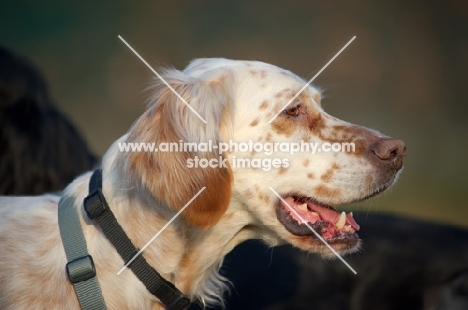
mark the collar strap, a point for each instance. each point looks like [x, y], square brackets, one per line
[98, 210]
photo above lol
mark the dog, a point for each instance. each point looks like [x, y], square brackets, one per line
[42, 151]
[238, 100]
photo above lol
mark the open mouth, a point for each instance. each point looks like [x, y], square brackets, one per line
[333, 226]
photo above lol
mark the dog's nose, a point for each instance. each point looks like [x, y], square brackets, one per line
[388, 149]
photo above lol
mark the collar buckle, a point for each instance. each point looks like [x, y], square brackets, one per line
[81, 269]
[95, 204]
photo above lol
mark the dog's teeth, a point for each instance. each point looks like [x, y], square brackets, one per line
[302, 207]
[314, 214]
[341, 221]
[349, 229]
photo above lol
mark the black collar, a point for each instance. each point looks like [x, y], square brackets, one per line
[98, 210]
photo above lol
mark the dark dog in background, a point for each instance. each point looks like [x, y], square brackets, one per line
[405, 264]
[41, 150]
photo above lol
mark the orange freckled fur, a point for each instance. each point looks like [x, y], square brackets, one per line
[264, 105]
[282, 170]
[248, 193]
[284, 126]
[211, 204]
[326, 177]
[254, 123]
[326, 192]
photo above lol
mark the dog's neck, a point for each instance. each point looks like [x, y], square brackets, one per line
[187, 256]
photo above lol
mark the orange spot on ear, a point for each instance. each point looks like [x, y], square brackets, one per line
[208, 208]
[167, 175]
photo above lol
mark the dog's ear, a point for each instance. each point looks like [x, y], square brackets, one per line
[173, 176]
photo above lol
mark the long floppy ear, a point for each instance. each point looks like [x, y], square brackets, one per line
[169, 120]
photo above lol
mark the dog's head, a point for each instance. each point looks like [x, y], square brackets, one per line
[243, 104]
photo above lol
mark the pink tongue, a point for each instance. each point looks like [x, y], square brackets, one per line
[332, 216]
[350, 221]
[325, 214]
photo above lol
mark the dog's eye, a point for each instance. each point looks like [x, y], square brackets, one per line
[294, 111]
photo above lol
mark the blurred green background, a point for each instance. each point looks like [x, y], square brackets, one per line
[405, 75]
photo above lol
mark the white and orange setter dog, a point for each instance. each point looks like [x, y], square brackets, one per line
[146, 189]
